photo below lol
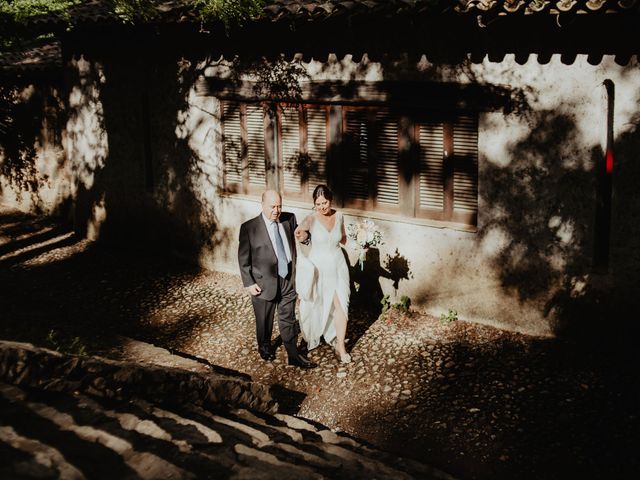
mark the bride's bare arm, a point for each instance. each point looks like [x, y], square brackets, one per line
[302, 232]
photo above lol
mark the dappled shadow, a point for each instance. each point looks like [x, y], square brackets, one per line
[30, 141]
[89, 458]
[561, 192]
[38, 246]
[512, 408]
[23, 237]
[548, 249]
[94, 286]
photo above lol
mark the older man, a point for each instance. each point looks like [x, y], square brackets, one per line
[267, 255]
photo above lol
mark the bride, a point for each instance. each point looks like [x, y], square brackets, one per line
[322, 277]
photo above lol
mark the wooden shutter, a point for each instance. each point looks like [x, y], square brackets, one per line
[465, 174]
[255, 146]
[371, 139]
[233, 146]
[292, 159]
[385, 151]
[316, 121]
[431, 138]
[357, 156]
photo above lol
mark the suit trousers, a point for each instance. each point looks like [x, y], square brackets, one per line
[285, 303]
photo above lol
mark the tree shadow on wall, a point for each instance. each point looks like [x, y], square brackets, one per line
[154, 188]
[22, 116]
[543, 203]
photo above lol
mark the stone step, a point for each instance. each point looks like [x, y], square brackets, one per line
[73, 417]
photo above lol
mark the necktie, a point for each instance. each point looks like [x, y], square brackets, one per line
[283, 268]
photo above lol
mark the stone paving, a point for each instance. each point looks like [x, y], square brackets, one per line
[71, 417]
[475, 401]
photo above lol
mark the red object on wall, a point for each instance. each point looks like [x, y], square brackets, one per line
[609, 164]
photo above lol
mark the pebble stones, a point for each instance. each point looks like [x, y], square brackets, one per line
[449, 388]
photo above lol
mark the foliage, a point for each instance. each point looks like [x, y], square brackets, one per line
[73, 346]
[229, 12]
[22, 10]
[15, 14]
[386, 305]
[132, 10]
[402, 306]
[450, 316]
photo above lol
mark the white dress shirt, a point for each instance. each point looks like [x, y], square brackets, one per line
[272, 237]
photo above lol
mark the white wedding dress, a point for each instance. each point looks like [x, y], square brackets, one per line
[320, 275]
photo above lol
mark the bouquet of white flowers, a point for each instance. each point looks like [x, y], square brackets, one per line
[364, 234]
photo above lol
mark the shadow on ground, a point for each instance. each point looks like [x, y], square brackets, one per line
[478, 402]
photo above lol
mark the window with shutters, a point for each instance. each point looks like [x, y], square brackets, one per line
[243, 133]
[417, 164]
[406, 162]
[303, 149]
[447, 187]
[370, 159]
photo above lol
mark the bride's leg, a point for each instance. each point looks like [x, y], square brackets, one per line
[340, 320]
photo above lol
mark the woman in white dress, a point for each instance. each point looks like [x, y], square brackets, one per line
[322, 277]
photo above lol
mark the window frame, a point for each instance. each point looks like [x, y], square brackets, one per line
[409, 121]
[303, 130]
[245, 187]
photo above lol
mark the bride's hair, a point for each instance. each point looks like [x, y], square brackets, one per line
[322, 191]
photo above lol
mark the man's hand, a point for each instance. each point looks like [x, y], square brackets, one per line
[302, 235]
[253, 289]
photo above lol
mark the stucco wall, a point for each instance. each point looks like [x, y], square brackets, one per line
[33, 168]
[530, 258]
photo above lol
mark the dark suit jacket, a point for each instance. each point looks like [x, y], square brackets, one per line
[257, 258]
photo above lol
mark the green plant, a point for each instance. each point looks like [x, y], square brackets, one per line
[401, 306]
[386, 305]
[131, 10]
[450, 316]
[404, 304]
[73, 346]
[229, 12]
[16, 15]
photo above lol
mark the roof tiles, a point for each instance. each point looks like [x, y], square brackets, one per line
[322, 9]
[100, 11]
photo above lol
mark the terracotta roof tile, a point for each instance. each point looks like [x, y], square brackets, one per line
[100, 11]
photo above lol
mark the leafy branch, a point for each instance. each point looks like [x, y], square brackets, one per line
[15, 15]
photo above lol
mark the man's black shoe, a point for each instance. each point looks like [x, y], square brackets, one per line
[302, 362]
[266, 355]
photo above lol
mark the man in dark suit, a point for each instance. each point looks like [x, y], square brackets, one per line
[267, 258]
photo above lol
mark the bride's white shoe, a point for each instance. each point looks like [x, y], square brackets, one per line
[344, 357]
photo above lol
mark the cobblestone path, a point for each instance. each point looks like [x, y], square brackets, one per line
[475, 401]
